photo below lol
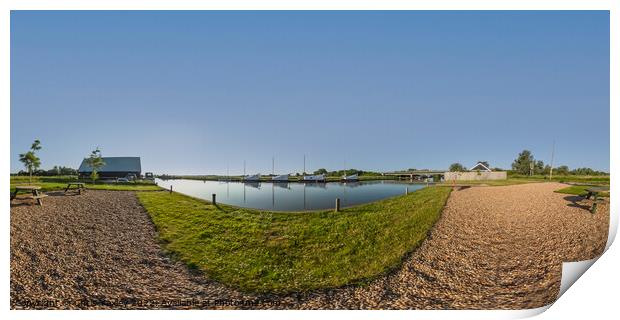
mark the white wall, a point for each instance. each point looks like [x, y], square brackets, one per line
[496, 175]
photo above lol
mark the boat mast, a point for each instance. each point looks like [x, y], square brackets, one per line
[304, 165]
[244, 168]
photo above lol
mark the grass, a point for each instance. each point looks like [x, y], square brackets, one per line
[598, 180]
[520, 179]
[260, 251]
[580, 190]
[60, 183]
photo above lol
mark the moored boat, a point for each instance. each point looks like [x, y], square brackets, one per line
[255, 177]
[314, 178]
[351, 178]
[280, 178]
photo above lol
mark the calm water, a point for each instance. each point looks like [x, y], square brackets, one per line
[290, 196]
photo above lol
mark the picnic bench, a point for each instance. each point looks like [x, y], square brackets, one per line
[34, 190]
[78, 186]
[593, 193]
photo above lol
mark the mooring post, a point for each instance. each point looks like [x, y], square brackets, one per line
[406, 190]
[170, 188]
[337, 205]
[213, 198]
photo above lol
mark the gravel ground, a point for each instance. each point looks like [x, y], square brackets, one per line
[493, 248]
[94, 251]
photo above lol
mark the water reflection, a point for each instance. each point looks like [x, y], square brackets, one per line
[290, 196]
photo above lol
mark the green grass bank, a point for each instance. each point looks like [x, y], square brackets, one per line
[260, 251]
[60, 183]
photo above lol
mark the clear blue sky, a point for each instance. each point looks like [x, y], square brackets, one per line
[193, 92]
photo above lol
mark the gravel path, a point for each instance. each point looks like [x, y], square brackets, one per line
[94, 250]
[494, 247]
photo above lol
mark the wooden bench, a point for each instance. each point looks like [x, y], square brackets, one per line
[34, 190]
[593, 193]
[78, 186]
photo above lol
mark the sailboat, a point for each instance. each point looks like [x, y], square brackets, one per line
[349, 178]
[278, 178]
[254, 177]
[312, 178]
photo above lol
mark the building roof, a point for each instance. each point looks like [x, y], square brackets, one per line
[115, 164]
[480, 166]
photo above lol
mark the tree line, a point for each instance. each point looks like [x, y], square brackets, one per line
[526, 164]
[55, 171]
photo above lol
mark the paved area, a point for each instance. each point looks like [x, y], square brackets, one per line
[494, 247]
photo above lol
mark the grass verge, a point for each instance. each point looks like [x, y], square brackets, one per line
[260, 251]
[60, 183]
[580, 190]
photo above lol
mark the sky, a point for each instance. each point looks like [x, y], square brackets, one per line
[200, 92]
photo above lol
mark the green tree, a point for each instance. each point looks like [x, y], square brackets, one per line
[30, 159]
[547, 169]
[320, 171]
[539, 167]
[561, 170]
[457, 167]
[522, 163]
[95, 162]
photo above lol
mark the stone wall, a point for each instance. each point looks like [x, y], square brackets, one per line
[472, 175]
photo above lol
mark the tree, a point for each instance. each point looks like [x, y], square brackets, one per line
[587, 172]
[547, 169]
[30, 159]
[457, 167]
[522, 163]
[539, 167]
[320, 171]
[95, 162]
[561, 170]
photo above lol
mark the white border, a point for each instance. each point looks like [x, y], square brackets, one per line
[584, 300]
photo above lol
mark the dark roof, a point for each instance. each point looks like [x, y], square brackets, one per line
[480, 166]
[115, 164]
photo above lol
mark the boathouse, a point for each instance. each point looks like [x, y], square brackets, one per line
[115, 167]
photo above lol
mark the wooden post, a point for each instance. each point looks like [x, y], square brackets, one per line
[213, 198]
[170, 189]
[337, 205]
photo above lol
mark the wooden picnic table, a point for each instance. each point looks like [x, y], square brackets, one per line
[593, 193]
[78, 186]
[34, 190]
